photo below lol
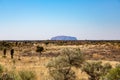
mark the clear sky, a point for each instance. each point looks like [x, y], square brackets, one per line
[43, 19]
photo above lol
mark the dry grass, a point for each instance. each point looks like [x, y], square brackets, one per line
[28, 63]
[39, 66]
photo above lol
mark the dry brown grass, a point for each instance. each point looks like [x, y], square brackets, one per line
[33, 63]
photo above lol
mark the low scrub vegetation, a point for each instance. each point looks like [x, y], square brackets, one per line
[114, 74]
[29, 60]
[96, 70]
[16, 75]
[61, 68]
[11, 75]
[27, 75]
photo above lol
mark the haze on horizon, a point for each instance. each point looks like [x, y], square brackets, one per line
[43, 19]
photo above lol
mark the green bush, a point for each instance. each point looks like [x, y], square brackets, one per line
[62, 74]
[39, 49]
[27, 75]
[60, 68]
[74, 56]
[96, 70]
[114, 74]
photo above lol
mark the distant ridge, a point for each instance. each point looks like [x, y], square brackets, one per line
[63, 38]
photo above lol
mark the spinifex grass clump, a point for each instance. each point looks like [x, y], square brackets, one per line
[27, 75]
[114, 74]
[8, 75]
[16, 75]
[20, 75]
[11, 75]
[60, 68]
[96, 70]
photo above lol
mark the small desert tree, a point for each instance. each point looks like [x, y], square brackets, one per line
[60, 68]
[96, 70]
[12, 53]
[39, 50]
[4, 52]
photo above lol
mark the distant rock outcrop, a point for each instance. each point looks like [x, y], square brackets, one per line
[63, 38]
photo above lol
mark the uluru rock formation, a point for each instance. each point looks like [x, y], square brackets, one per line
[63, 38]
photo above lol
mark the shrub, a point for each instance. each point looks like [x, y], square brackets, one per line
[5, 44]
[114, 74]
[96, 70]
[60, 68]
[39, 49]
[12, 75]
[27, 75]
[62, 74]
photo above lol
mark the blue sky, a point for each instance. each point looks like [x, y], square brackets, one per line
[43, 19]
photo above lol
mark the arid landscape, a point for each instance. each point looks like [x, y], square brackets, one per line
[26, 58]
[59, 39]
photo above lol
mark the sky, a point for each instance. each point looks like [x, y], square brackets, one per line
[43, 19]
